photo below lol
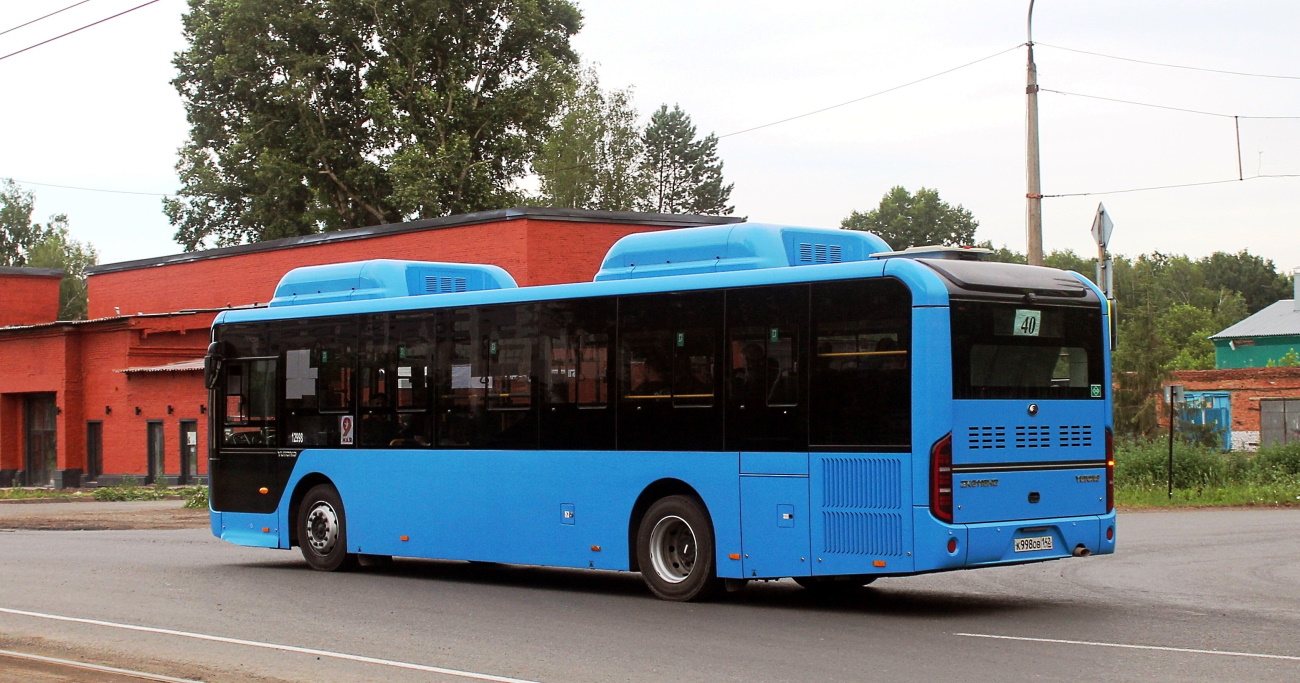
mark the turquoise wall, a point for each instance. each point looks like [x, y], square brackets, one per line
[1265, 349]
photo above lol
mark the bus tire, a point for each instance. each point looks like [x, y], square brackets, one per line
[828, 585]
[675, 550]
[322, 530]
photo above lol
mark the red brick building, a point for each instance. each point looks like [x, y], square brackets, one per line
[121, 394]
[1260, 406]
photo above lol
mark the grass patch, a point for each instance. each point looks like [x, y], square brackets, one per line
[24, 494]
[1204, 476]
[130, 491]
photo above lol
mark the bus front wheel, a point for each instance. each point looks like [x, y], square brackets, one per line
[675, 550]
[322, 530]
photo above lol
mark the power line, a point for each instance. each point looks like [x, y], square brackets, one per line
[33, 21]
[1171, 66]
[1162, 106]
[1169, 187]
[875, 94]
[88, 189]
[43, 42]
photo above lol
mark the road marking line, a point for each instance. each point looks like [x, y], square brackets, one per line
[97, 667]
[273, 646]
[1226, 653]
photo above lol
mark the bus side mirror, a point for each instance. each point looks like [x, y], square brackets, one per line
[212, 365]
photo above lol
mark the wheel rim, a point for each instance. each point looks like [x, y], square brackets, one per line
[672, 549]
[322, 528]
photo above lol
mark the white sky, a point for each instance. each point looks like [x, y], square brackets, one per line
[96, 109]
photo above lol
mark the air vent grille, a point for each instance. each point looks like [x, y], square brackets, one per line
[1072, 436]
[442, 284]
[820, 253]
[981, 438]
[861, 500]
[1029, 436]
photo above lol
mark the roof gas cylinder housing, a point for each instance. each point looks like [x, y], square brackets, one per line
[743, 246]
[383, 279]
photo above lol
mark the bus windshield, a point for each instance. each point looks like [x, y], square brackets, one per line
[1026, 351]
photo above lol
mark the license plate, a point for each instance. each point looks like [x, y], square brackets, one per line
[1032, 543]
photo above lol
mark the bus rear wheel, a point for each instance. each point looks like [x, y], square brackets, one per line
[675, 550]
[322, 530]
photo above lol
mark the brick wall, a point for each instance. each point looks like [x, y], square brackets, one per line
[29, 299]
[80, 364]
[533, 252]
[1246, 387]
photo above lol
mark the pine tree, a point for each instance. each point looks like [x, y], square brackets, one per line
[682, 174]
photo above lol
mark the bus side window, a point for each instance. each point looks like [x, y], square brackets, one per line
[576, 336]
[860, 388]
[393, 372]
[767, 329]
[486, 388]
[319, 382]
[669, 348]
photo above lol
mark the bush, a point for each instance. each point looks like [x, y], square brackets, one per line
[1205, 475]
[1146, 463]
[195, 497]
[1278, 461]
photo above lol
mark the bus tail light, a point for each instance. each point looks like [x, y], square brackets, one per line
[941, 479]
[1110, 470]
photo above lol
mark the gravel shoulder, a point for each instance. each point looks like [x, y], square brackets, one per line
[100, 516]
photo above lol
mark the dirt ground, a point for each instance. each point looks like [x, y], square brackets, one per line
[92, 515]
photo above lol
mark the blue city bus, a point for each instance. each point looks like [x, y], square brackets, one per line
[721, 404]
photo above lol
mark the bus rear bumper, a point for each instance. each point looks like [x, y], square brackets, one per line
[940, 547]
[996, 543]
[247, 528]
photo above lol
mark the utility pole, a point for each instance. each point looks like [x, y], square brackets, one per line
[1034, 191]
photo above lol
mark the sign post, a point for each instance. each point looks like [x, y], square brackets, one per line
[1173, 394]
[1102, 227]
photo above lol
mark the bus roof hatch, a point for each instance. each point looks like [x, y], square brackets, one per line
[743, 246]
[385, 278]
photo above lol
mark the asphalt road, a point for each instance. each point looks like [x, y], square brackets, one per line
[1203, 595]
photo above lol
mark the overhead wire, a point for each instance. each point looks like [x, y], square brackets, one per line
[87, 189]
[875, 94]
[47, 16]
[1171, 66]
[75, 30]
[1162, 106]
[1170, 187]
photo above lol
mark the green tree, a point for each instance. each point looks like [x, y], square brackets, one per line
[1254, 277]
[1002, 254]
[682, 174]
[1068, 260]
[33, 245]
[59, 251]
[591, 159]
[18, 234]
[1139, 365]
[907, 220]
[310, 117]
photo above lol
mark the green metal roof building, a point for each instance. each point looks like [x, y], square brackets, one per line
[1266, 336]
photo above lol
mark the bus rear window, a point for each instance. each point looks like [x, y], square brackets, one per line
[1024, 351]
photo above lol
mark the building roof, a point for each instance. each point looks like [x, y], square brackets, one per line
[194, 365]
[117, 318]
[499, 215]
[1277, 320]
[33, 272]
